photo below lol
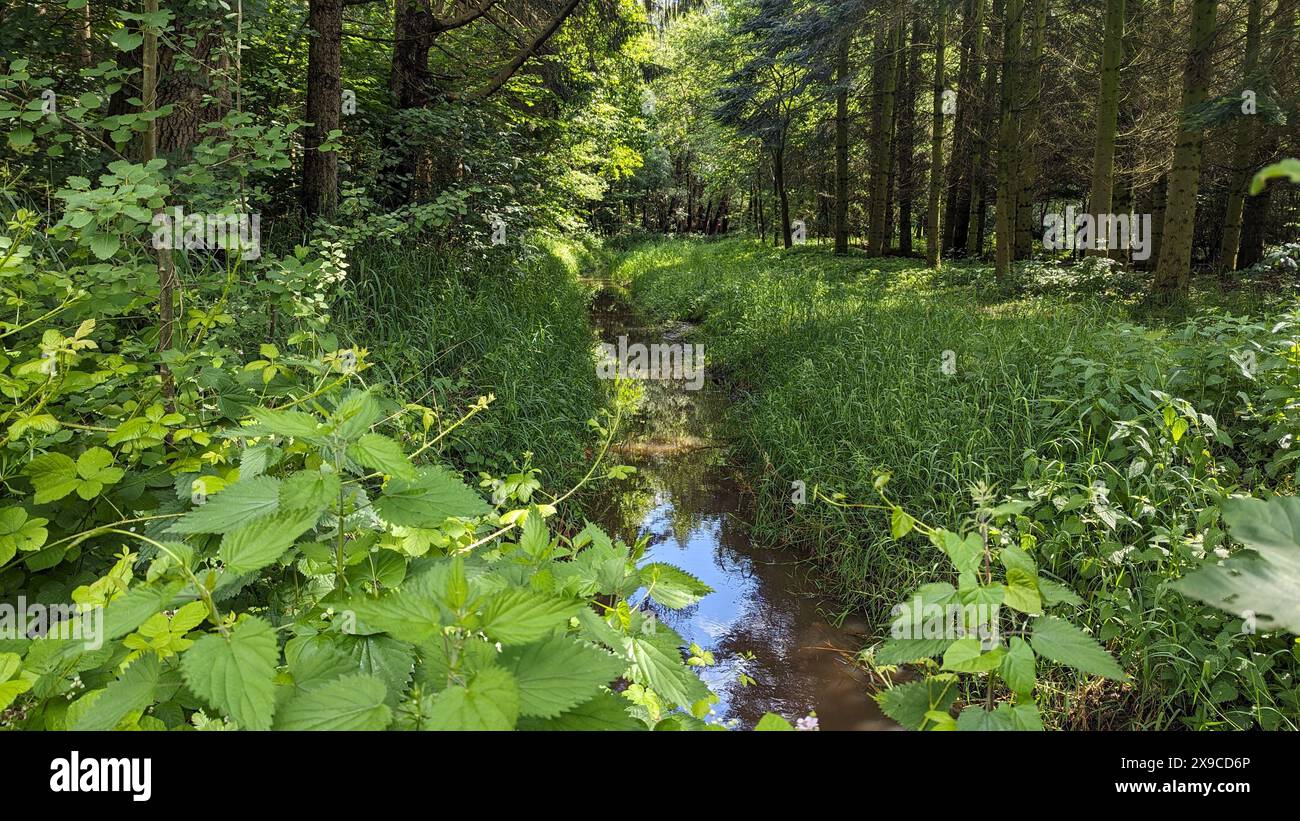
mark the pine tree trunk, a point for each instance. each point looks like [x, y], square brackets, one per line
[1101, 191]
[1008, 148]
[907, 138]
[1173, 272]
[1028, 114]
[960, 185]
[985, 117]
[1243, 149]
[842, 147]
[881, 155]
[934, 231]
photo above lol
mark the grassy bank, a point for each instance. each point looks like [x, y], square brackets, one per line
[447, 327]
[1121, 437]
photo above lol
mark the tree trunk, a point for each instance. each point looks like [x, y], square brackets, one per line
[886, 66]
[1008, 149]
[842, 147]
[983, 139]
[960, 185]
[907, 137]
[1243, 149]
[934, 233]
[1173, 272]
[1101, 191]
[1028, 113]
[778, 179]
[320, 169]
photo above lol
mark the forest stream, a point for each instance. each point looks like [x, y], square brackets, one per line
[774, 649]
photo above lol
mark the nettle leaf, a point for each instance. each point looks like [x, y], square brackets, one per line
[356, 414]
[294, 424]
[236, 674]
[661, 669]
[1062, 642]
[135, 690]
[908, 703]
[433, 496]
[1264, 582]
[559, 673]
[519, 616]
[310, 490]
[316, 660]
[1055, 593]
[489, 702]
[409, 614]
[606, 711]
[381, 453]
[353, 702]
[672, 587]
[240, 503]
[259, 543]
[905, 651]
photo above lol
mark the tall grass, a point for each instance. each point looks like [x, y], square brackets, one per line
[837, 368]
[449, 325]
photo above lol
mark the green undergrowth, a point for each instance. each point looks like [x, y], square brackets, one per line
[445, 326]
[1121, 432]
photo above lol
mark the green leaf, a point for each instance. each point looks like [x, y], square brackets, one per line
[355, 414]
[908, 703]
[1288, 169]
[1021, 591]
[354, 702]
[259, 543]
[53, 476]
[243, 502]
[965, 656]
[310, 490]
[519, 616]
[103, 246]
[20, 137]
[236, 674]
[409, 614]
[661, 671]
[966, 554]
[1062, 642]
[130, 610]
[1265, 582]
[604, 712]
[294, 424]
[434, 495]
[1019, 667]
[559, 673]
[771, 722]
[900, 523]
[489, 702]
[133, 691]
[379, 452]
[904, 651]
[1054, 593]
[672, 587]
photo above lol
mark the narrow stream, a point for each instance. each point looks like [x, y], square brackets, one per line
[774, 650]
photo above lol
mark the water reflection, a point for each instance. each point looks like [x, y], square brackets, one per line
[774, 650]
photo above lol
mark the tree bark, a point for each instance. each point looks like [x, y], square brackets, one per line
[1173, 272]
[1008, 148]
[320, 169]
[1243, 149]
[934, 231]
[842, 147]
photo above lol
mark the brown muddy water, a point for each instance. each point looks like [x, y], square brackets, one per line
[774, 649]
